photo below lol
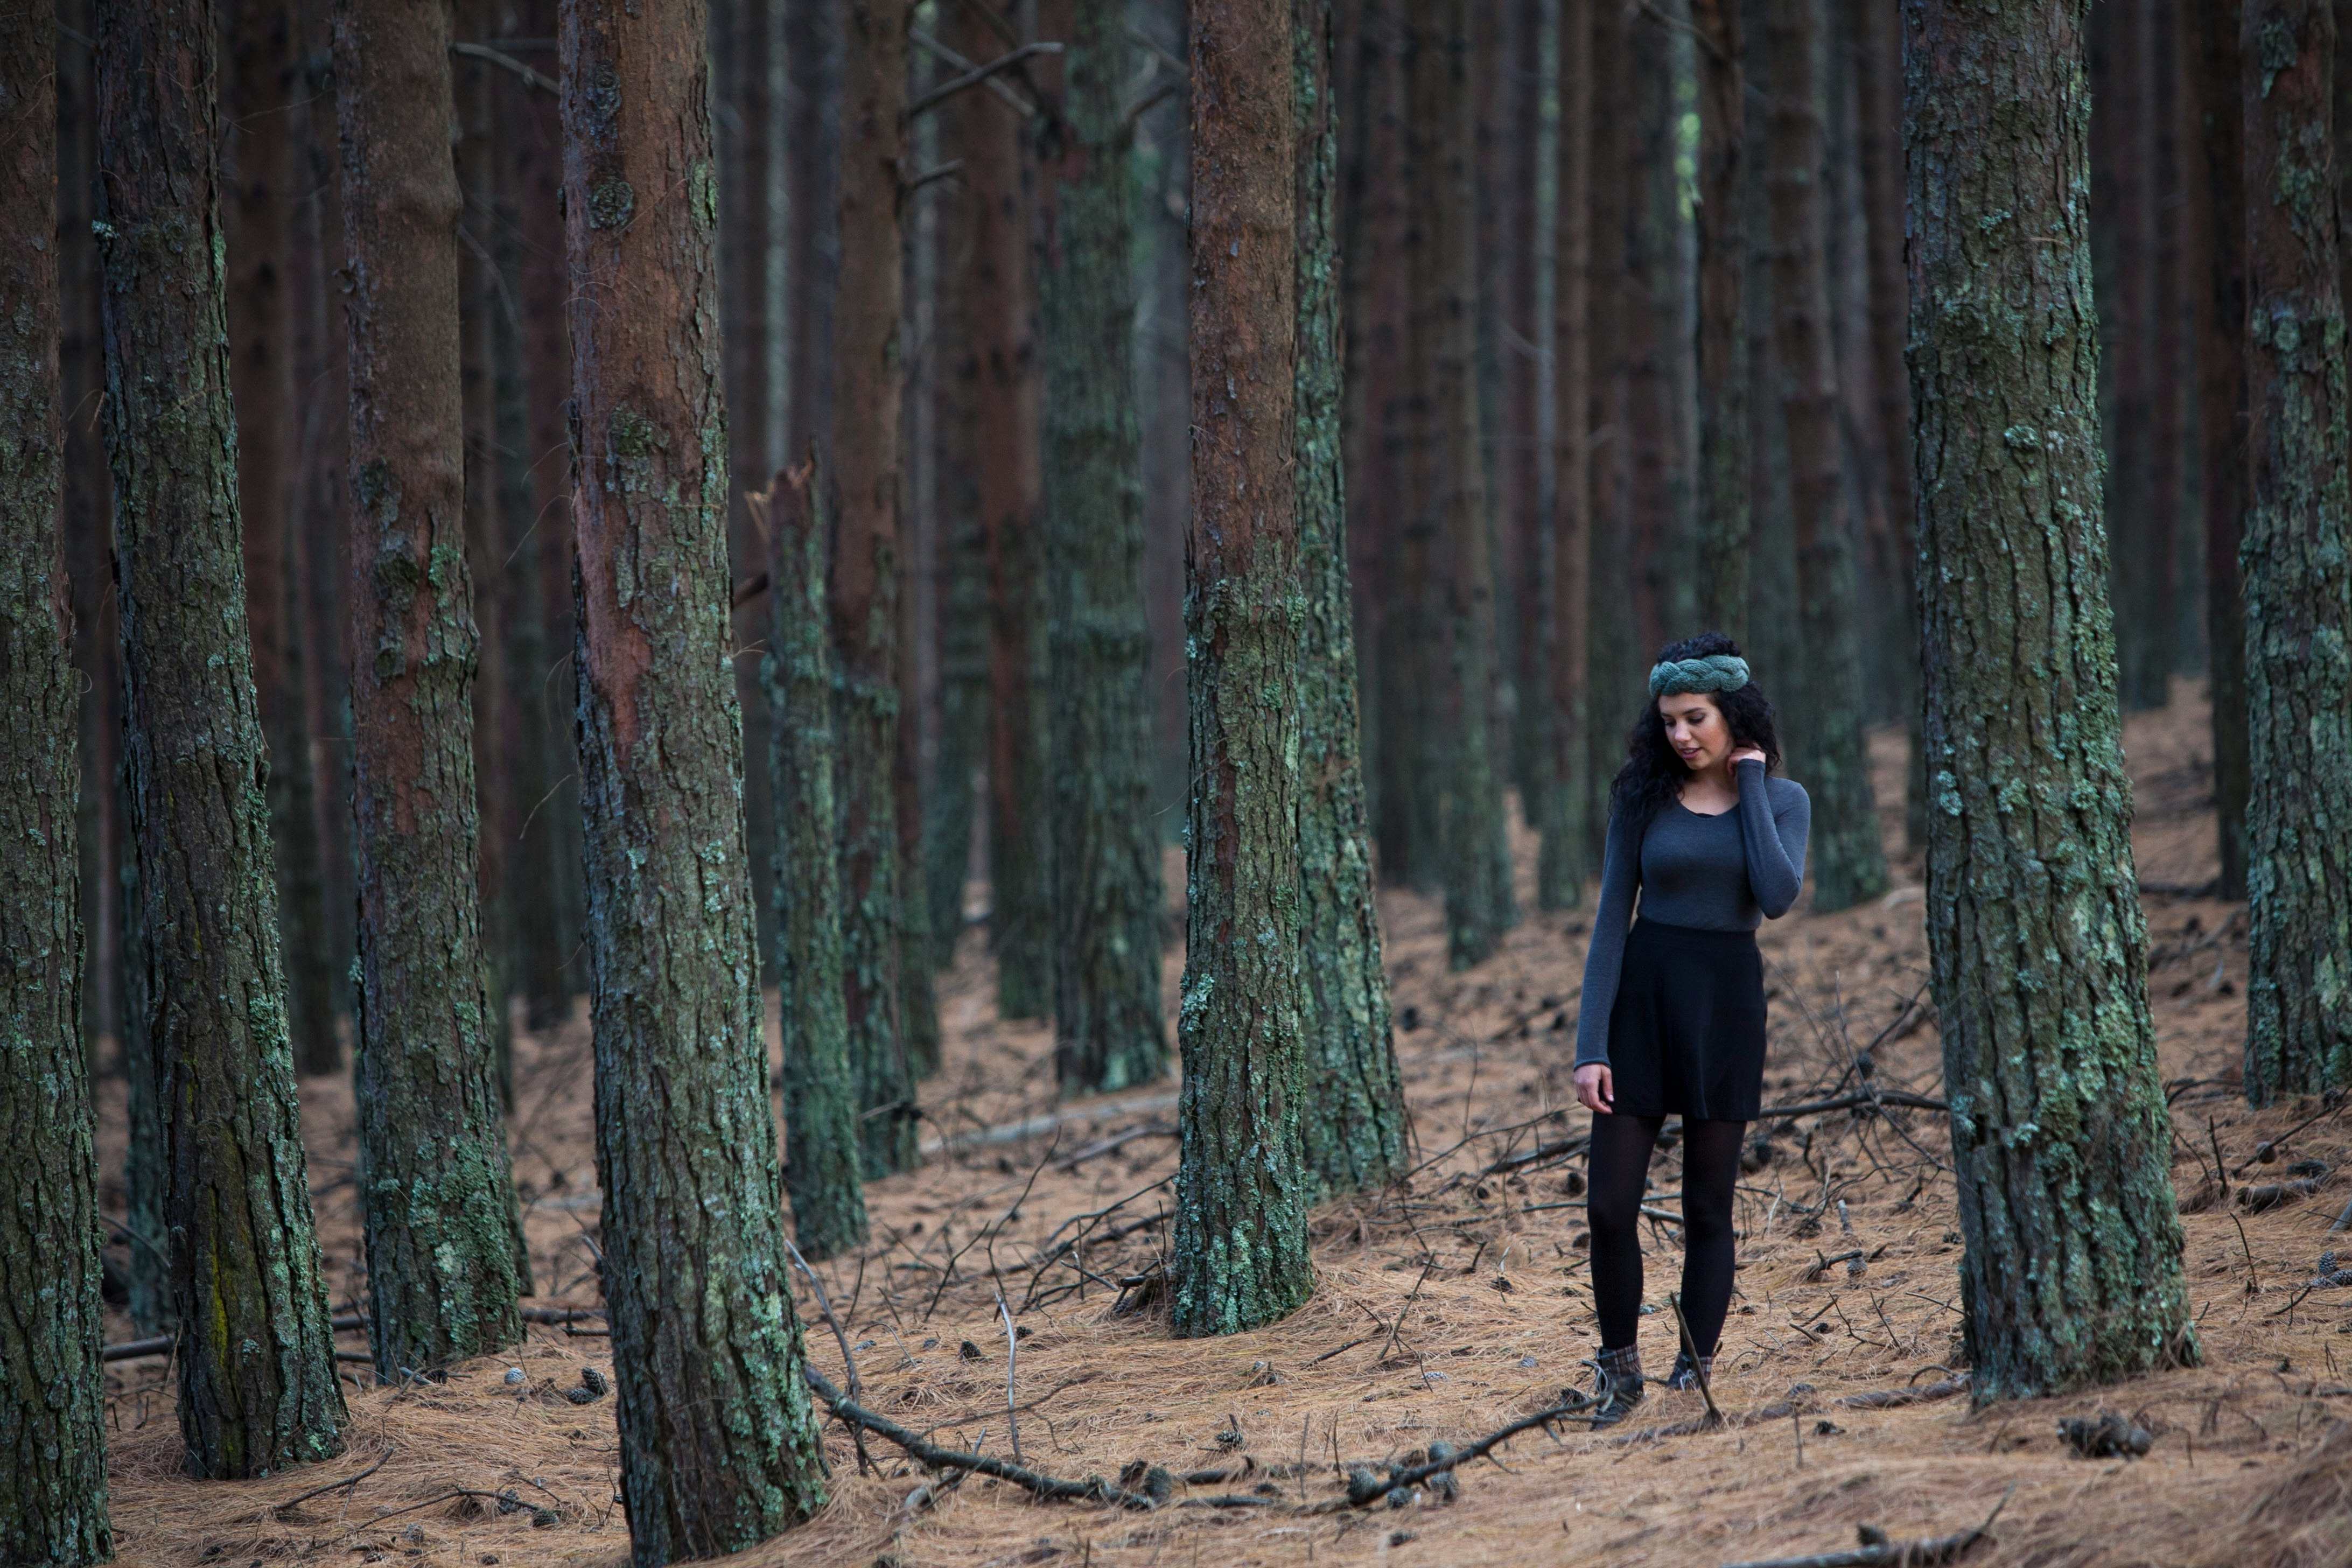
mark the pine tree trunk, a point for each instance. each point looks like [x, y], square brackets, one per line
[741, 31]
[999, 172]
[529, 170]
[1463, 750]
[1523, 195]
[1243, 1185]
[1878, 84]
[2124, 227]
[868, 394]
[53, 1499]
[813, 57]
[1829, 750]
[1725, 522]
[2297, 561]
[442, 1278]
[1564, 859]
[1352, 1120]
[822, 1168]
[718, 1446]
[532, 140]
[1106, 896]
[257, 220]
[2217, 266]
[86, 523]
[963, 625]
[2072, 1273]
[1609, 635]
[2167, 355]
[245, 1268]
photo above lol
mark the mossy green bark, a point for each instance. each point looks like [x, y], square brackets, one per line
[822, 1170]
[1353, 1119]
[2060, 1135]
[867, 572]
[1829, 748]
[257, 1389]
[1465, 755]
[963, 729]
[435, 1180]
[53, 1495]
[719, 1443]
[2295, 558]
[1243, 1184]
[1108, 896]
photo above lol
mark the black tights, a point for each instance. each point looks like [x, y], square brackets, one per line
[1620, 1168]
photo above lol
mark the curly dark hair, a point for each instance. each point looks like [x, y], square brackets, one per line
[1653, 776]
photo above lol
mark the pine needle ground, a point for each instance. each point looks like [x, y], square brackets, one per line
[1442, 1312]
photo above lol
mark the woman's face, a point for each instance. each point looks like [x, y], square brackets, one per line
[1695, 729]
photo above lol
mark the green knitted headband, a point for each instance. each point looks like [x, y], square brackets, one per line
[1715, 672]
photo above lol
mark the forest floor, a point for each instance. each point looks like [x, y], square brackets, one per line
[1443, 1308]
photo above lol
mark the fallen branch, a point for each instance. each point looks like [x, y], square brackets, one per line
[1071, 1161]
[855, 1416]
[1558, 1148]
[1902, 1097]
[1366, 1487]
[1877, 1549]
[277, 1511]
[841, 1337]
[1893, 1398]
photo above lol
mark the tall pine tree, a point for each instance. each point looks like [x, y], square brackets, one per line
[2297, 558]
[2039, 949]
[1243, 1185]
[53, 1498]
[257, 1389]
[718, 1446]
[442, 1265]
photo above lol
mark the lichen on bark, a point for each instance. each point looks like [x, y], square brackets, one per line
[433, 1172]
[2295, 561]
[1108, 896]
[822, 1168]
[1353, 1120]
[1242, 1185]
[2060, 1133]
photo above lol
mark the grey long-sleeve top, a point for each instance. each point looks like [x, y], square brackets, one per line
[1726, 873]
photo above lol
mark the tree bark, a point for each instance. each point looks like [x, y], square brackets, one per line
[1107, 897]
[1353, 1120]
[257, 221]
[1469, 786]
[962, 615]
[2072, 1273]
[1849, 866]
[53, 1496]
[2217, 229]
[442, 1278]
[1243, 1185]
[2297, 560]
[1878, 68]
[1616, 308]
[1000, 174]
[548, 846]
[741, 34]
[823, 1166]
[245, 1268]
[867, 394]
[813, 61]
[2124, 225]
[1564, 859]
[719, 1444]
[1724, 522]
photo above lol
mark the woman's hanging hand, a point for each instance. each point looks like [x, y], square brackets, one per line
[1595, 1090]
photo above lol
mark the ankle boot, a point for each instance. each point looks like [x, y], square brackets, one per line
[1688, 1374]
[1618, 1385]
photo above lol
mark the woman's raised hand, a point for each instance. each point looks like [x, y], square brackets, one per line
[1596, 1090]
[1747, 754]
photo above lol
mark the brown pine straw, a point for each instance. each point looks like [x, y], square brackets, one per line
[2253, 1456]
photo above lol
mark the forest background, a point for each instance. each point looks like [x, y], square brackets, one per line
[1623, 312]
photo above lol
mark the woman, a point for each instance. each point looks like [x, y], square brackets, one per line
[1672, 1022]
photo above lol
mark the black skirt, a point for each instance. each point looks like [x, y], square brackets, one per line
[1687, 1034]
